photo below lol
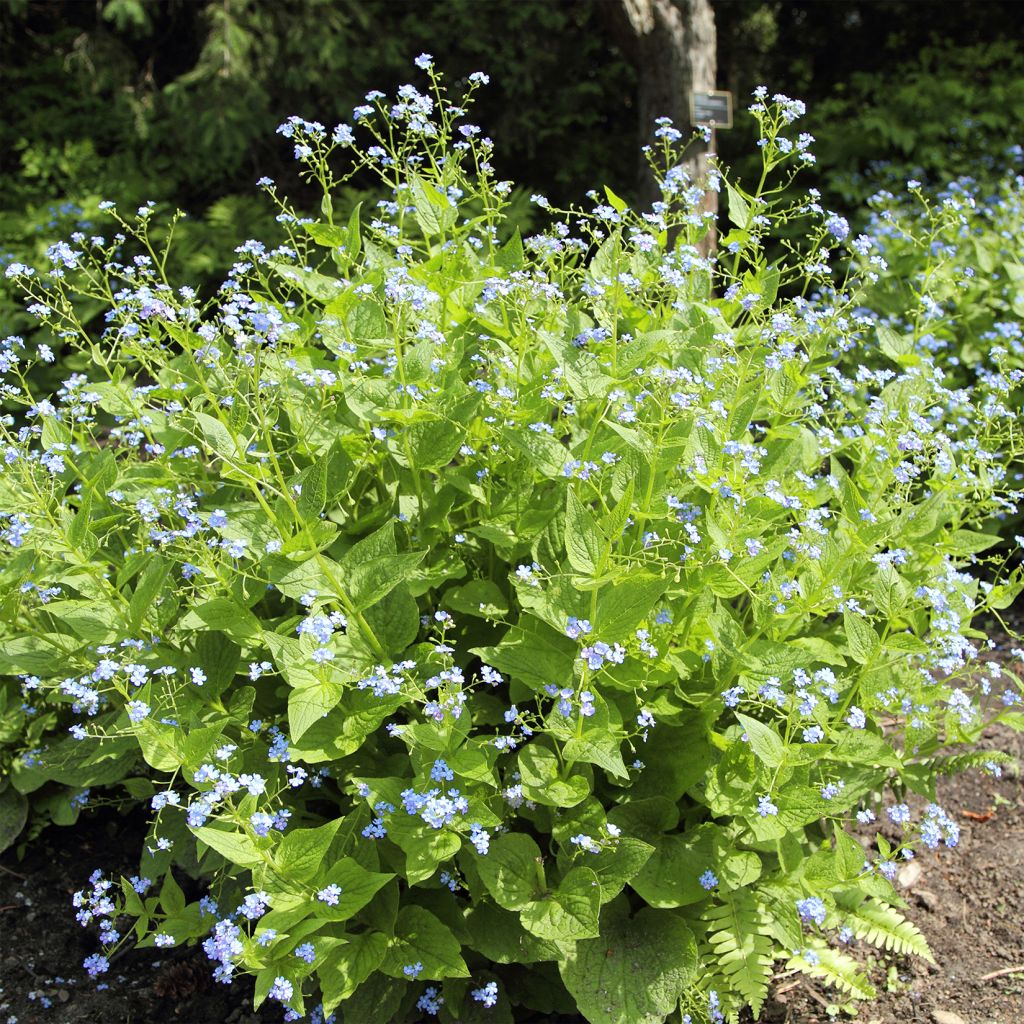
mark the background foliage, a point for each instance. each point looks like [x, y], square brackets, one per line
[177, 101]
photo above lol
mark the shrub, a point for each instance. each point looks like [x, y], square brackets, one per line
[499, 624]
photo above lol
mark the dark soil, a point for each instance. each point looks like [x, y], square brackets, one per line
[42, 946]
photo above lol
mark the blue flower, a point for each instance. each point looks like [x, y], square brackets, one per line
[811, 909]
[488, 995]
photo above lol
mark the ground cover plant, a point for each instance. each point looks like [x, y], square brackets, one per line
[499, 624]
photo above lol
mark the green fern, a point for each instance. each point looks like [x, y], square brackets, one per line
[837, 969]
[739, 946]
[887, 928]
[956, 763]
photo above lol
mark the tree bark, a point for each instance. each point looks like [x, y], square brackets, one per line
[672, 45]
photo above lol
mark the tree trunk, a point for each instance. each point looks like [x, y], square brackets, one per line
[672, 44]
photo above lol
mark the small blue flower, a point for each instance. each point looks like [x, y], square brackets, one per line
[811, 909]
[488, 995]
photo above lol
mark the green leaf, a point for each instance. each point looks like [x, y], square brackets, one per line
[636, 972]
[835, 968]
[358, 887]
[533, 652]
[394, 619]
[542, 781]
[622, 606]
[568, 913]
[236, 847]
[370, 582]
[887, 928]
[328, 235]
[499, 935]
[313, 495]
[849, 855]
[619, 864]
[584, 543]
[224, 615]
[348, 966]
[307, 705]
[894, 345]
[860, 637]
[421, 938]
[860, 746]
[434, 212]
[764, 741]
[217, 436]
[148, 588]
[597, 739]
[220, 660]
[614, 201]
[433, 441]
[512, 870]
[301, 854]
[481, 598]
[510, 256]
[13, 815]
[309, 282]
[172, 899]
[741, 950]
[377, 998]
[425, 848]
[354, 243]
[546, 454]
[739, 208]
[737, 870]
[344, 729]
[670, 877]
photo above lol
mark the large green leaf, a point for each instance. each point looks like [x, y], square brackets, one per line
[670, 876]
[358, 887]
[584, 543]
[13, 814]
[307, 705]
[636, 971]
[512, 870]
[301, 853]
[766, 743]
[532, 652]
[569, 912]
[543, 782]
[435, 213]
[499, 935]
[236, 847]
[621, 607]
[421, 938]
[349, 966]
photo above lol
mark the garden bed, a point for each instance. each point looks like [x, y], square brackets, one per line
[966, 901]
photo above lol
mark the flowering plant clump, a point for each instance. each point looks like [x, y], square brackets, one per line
[461, 603]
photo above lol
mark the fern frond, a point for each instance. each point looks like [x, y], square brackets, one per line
[836, 969]
[738, 942]
[952, 764]
[887, 928]
[974, 759]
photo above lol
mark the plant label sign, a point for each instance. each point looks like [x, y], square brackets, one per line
[713, 108]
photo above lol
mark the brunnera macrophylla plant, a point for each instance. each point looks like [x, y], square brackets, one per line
[499, 624]
[953, 287]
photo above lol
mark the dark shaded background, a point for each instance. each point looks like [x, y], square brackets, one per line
[177, 100]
